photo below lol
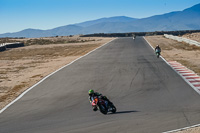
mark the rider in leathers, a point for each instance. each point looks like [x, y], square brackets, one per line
[158, 49]
[99, 95]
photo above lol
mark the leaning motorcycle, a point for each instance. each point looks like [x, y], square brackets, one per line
[103, 106]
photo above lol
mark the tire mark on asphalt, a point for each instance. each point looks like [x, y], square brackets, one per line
[186, 118]
[134, 77]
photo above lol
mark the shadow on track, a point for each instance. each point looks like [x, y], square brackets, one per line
[123, 112]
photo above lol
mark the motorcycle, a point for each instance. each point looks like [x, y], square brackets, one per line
[157, 53]
[103, 106]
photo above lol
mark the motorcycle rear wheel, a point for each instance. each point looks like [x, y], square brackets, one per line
[158, 55]
[103, 109]
[113, 109]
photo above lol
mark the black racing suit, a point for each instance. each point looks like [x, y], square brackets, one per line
[158, 49]
[99, 95]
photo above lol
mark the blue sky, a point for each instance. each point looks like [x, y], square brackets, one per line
[17, 15]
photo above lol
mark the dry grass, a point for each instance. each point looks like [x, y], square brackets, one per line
[6, 40]
[185, 46]
[3, 77]
[12, 92]
[190, 130]
[47, 52]
[3, 72]
[39, 75]
[3, 89]
[193, 36]
[49, 40]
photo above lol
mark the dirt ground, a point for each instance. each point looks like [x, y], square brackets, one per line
[191, 130]
[20, 68]
[188, 55]
[193, 36]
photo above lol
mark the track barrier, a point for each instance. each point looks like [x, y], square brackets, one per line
[4, 46]
[181, 39]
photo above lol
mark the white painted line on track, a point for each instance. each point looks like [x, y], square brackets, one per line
[196, 83]
[181, 129]
[193, 77]
[182, 70]
[185, 75]
[177, 67]
[197, 89]
[186, 71]
[20, 96]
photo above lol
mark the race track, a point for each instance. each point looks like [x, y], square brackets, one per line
[149, 95]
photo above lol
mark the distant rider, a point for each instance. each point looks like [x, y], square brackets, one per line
[92, 94]
[158, 49]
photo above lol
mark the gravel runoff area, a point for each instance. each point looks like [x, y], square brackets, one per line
[20, 68]
[188, 55]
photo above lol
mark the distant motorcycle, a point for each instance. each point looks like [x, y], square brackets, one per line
[157, 53]
[103, 106]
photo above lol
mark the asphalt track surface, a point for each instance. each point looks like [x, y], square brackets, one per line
[149, 95]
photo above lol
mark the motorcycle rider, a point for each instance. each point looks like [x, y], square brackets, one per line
[157, 49]
[92, 94]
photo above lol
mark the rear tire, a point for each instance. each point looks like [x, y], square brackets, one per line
[158, 55]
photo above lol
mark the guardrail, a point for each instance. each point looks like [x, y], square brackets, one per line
[181, 39]
[4, 46]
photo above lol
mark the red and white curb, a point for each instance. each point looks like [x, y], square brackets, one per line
[188, 75]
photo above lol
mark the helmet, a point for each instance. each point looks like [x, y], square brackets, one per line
[91, 92]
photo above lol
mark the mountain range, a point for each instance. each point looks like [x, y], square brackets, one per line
[188, 19]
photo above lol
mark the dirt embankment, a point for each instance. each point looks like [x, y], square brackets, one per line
[191, 130]
[188, 55]
[22, 67]
[193, 36]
